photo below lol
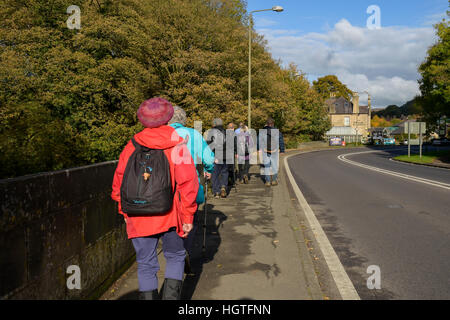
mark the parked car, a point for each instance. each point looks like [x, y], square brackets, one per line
[388, 141]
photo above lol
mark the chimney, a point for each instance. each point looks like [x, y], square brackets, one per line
[355, 101]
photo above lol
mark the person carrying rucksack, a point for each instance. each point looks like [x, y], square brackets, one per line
[244, 147]
[222, 144]
[201, 154]
[156, 185]
[271, 144]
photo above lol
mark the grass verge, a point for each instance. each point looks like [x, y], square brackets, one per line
[427, 158]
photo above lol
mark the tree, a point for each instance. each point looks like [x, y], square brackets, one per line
[306, 117]
[330, 84]
[435, 72]
[75, 93]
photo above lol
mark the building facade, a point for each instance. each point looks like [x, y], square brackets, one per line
[344, 113]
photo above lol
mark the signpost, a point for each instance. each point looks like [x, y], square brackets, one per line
[415, 128]
[409, 139]
[420, 141]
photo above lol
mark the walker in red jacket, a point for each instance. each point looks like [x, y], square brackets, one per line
[171, 226]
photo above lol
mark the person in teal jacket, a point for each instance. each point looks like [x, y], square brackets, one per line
[201, 154]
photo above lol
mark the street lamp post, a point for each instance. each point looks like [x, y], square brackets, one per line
[276, 9]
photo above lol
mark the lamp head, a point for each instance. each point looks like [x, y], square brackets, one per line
[277, 9]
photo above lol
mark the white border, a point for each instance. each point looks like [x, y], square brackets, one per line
[341, 278]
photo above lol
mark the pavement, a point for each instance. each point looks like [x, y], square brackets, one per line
[258, 246]
[378, 212]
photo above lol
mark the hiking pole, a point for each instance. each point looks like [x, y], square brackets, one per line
[205, 210]
[234, 179]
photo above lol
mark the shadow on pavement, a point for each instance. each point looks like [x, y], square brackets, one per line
[199, 257]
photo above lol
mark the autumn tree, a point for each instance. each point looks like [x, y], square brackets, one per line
[328, 85]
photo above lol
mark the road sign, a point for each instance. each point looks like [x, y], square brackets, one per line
[414, 127]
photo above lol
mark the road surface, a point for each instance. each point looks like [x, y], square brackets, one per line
[373, 217]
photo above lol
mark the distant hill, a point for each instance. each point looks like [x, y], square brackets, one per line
[394, 111]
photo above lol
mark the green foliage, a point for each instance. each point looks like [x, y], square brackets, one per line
[69, 97]
[330, 84]
[435, 72]
[29, 133]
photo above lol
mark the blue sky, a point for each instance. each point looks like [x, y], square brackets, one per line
[316, 16]
[331, 37]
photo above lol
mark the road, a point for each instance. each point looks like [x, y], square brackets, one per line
[375, 218]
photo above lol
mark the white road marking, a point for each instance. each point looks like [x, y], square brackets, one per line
[341, 278]
[434, 183]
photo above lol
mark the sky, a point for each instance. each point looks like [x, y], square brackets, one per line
[337, 37]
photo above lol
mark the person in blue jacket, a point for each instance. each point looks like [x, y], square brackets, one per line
[201, 154]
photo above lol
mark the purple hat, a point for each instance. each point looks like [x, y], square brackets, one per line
[155, 112]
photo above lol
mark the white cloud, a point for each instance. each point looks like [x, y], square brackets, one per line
[382, 61]
[264, 22]
[384, 91]
[434, 18]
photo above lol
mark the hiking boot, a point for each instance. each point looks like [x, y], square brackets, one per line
[171, 289]
[274, 183]
[149, 295]
[267, 184]
[245, 179]
[223, 192]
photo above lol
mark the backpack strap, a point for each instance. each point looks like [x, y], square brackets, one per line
[135, 144]
[139, 147]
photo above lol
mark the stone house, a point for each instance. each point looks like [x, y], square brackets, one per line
[344, 113]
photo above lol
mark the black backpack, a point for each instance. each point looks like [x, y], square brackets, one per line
[146, 186]
[271, 143]
[221, 134]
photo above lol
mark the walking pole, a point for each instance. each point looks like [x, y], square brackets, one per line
[234, 178]
[205, 210]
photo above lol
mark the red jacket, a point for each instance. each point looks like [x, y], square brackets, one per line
[184, 177]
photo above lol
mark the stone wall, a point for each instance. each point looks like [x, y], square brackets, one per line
[53, 220]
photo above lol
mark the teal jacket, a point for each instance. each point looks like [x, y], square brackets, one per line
[199, 149]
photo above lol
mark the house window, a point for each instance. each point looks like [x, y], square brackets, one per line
[347, 121]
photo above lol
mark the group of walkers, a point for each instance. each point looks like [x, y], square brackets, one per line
[158, 190]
